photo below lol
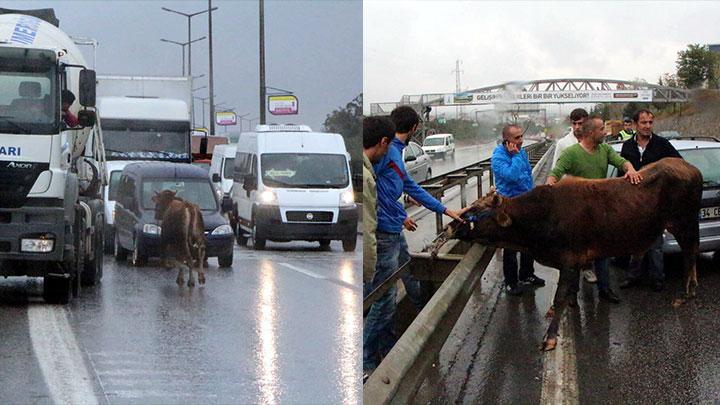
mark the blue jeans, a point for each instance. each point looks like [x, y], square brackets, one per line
[378, 332]
[654, 260]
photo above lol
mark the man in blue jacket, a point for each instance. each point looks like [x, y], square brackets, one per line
[392, 250]
[513, 176]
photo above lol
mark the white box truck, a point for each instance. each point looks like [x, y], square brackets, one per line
[144, 118]
[51, 173]
[290, 183]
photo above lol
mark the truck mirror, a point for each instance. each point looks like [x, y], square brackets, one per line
[227, 204]
[249, 183]
[87, 88]
[86, 118]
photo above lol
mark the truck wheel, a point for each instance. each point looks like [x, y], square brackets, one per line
[137, 260]
[349, 244]
[92, 273]
[325, 244]
[225, 261]
[57, 290]
[258, 244]
[120, 252]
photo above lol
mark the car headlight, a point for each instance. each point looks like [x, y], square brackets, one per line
[347, 198]
[222, 230]
[37, 245]
[268, 197]
[152, 229]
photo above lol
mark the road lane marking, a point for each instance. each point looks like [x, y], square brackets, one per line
[318, 276]
[559, 380]
[59, 356]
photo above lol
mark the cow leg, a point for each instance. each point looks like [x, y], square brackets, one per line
[191, 276]
[688, 238]
[201, 264]
[558, 307]
[180, 280]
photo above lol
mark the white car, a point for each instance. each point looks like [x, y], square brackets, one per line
[417, 163]
[439, 145]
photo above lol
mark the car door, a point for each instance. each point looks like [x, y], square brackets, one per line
[422, 163]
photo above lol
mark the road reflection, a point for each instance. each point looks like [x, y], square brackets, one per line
[267, 361]
[350, 343]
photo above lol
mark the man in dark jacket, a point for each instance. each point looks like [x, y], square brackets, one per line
[641, 150]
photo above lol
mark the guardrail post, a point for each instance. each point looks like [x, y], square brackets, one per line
[463, 197]
[438, 223]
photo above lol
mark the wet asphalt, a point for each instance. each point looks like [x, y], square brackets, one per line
[283, 325]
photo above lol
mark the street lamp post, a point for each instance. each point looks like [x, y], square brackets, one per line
[189, 42]
[203, 100]
[183, 44]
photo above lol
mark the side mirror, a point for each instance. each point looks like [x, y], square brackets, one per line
[249, 183]
[86, 118]
[87, 88]
[227, 204]
[216, 178]
[410, 158]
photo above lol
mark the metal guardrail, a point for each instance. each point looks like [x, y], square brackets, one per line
[403, 370]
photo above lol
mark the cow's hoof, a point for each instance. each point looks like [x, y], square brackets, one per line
[191, 283]
[201, 279]
[549, 344]
[678, 302]
[180, 281]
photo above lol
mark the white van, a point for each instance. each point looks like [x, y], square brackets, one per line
[293, 184]
[222, 166]
[439, 145]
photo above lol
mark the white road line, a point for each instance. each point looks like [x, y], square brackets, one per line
[317, 276]
[559, 381]
[59, 356]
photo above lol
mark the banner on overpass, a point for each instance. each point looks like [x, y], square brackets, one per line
[541, 97]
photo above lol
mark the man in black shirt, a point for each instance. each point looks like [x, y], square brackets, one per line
[641, 150]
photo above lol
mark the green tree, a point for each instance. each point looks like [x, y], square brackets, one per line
[697, 64]
[347, 121]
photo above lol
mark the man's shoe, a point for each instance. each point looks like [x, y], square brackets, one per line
[629, 282]
[658, 286]
[514, 290]
[609, 296]
[534, 280]
[589, 276]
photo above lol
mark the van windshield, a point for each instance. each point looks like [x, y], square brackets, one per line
[196, 191]
[434, 141]
[304, 170]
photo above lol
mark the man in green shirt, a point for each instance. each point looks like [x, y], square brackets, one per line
[378, 132]
[590, 159]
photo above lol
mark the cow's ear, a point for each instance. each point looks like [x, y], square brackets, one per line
[497, 200]
[503, 219]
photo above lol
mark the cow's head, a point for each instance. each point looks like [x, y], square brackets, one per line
[483, 218]
[162, 200]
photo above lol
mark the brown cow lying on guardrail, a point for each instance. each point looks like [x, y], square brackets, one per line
[182, 239]
[569, 224]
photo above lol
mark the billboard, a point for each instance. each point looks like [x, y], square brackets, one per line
[535, 97]
[225, 118]
[283, 105]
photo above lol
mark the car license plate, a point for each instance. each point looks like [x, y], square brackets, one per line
[709, 212]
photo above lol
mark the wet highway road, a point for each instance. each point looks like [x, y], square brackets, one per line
[283, 325]
[464, 155]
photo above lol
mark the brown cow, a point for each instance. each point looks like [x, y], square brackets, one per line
[182, 240]
[575, 221]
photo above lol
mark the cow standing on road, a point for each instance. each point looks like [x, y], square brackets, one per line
[575, 221]
[182, 239]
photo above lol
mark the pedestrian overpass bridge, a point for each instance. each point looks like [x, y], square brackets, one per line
[546, 91]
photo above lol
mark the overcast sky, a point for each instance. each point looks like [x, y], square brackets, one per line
[411, 47]
[313, 48]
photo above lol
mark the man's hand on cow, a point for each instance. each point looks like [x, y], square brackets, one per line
[410, 224]
[550, 180]
[633, 177]
[454, 215]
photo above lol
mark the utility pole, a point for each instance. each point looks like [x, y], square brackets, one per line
[189, 18]
[183, 44]
[457, 72]
[262, 61]
[211, 90]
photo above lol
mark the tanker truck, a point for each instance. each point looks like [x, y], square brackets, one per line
[52, 165]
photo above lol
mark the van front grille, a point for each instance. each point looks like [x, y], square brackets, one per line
[309, 216]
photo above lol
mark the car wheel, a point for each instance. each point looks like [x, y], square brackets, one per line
[57, 290]
[92, 273]
[240, 237]
[225, 261]
[349, 244]
[137, 259]
[325, 244]
[258, 244]
[120, 253]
